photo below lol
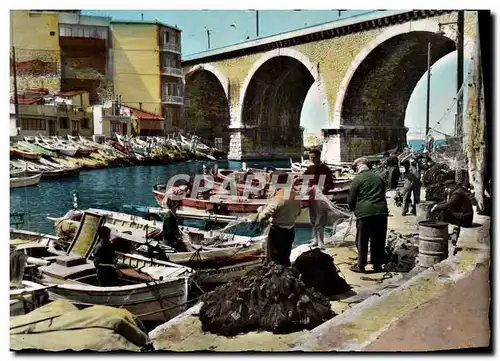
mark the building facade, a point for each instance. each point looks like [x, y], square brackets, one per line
[44, 114]
[137, 63]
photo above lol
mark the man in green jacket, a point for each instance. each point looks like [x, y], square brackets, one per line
[368, 201]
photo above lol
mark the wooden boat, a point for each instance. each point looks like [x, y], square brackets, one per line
[17, 172]
[25, 181]
[24, 154]
[227, 257]
[26, 296]
[118, 146]
[230, 205]
[153, 293]
[35, 148]
[55, 146]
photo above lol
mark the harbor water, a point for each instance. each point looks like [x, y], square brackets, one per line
[110, 189]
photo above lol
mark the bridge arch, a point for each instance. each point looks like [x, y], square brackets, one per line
[271, 99]
[375, 90]
[207, 112]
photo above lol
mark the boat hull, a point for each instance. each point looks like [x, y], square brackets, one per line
[143, 300]
[225, 206]
[25, 181]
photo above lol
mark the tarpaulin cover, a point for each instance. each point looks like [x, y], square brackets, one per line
[60, 326]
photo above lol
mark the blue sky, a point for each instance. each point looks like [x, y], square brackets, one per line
[193, 24]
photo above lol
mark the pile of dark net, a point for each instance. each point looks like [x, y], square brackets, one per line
[318, 270]
[269, 298]
[401, 252]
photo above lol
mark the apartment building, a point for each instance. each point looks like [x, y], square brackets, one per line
[138, 62]
[147, 71]
[47, 114]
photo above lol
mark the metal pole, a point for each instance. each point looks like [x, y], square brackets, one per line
[257, 21]
[14, 73]
[208, 37]
[427, 126]
[460, 75]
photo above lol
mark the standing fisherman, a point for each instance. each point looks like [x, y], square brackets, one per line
[412, 186]
[429, 144]
[367, 200]
[393, 173]
[317, 212]
[172, 235]
[283, 214]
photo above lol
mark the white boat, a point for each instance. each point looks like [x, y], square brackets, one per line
[153, 293]
[26, 296]
[227, 257]
[25, 181]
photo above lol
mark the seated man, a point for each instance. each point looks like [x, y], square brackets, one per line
[104, 259]
[458, 209]
[172, 236]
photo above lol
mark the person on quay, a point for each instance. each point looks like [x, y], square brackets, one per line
[393, 173]
[412, 186]
[172, 235]
[104, 259]
[282, 212]
[318, 213]
[457, 210]
[368, 201]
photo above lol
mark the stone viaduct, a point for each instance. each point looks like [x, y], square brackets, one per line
[365, 71]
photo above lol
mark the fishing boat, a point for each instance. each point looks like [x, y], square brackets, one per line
[55, 146]
[25, 181]
[152, 293]
[230, 205]
[24, 154]
[35, 148]
[16, 172]
[224, 256]
[26, 296]
[118, 146]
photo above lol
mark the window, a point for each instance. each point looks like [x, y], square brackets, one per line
[115, 127]
[172, 89]
[64, 123]
[33, 124]
[85, 123]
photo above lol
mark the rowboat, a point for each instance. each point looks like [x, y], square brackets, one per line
[237, 206]
[25, 181]
[24, 154]
[227, 257]
[26, 296]
[118, 146]
[17, 172]
[36, 148]
[55, 146]
[154, 293]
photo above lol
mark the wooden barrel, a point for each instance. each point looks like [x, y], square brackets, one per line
[433, 243]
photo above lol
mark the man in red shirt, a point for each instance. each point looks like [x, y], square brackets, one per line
[322, 181]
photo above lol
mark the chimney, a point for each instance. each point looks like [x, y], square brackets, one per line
[140, 107]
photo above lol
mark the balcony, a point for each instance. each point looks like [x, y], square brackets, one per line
[172, 47]
[171, 71]
[173, 99]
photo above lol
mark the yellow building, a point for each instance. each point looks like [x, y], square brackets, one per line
[147, 71]
[35, 36]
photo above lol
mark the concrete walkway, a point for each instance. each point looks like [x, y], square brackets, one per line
[459, 318]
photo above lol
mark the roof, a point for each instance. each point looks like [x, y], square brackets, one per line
[37, 91]
[140, 114]
[71, 93]
[21, 100]
[141, 22]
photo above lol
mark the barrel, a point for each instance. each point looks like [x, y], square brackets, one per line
[433, 243]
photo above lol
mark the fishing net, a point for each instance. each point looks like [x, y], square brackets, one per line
[318, 270]
[269, 298]
[401, 252]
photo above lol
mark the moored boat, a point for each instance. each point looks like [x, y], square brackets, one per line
[24, 154]
[25, 181]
